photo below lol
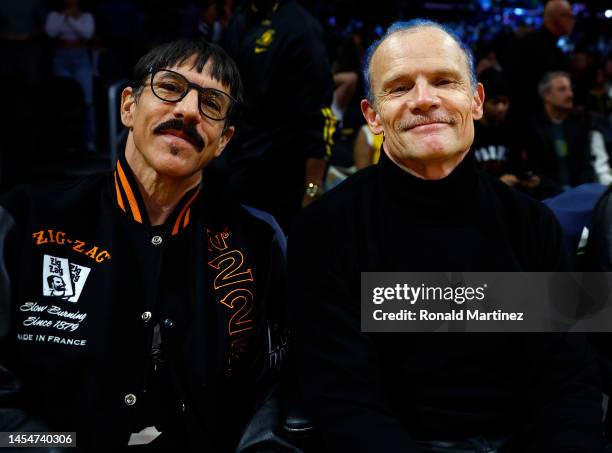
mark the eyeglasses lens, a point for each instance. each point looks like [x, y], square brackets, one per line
[172, 87]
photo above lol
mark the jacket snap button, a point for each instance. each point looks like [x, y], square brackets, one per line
[130, 399]
[146, 316]
[156, 240]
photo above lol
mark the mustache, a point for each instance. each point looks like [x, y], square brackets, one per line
[420, 120]
[177, 124]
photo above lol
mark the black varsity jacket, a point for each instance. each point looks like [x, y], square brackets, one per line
[109, 325]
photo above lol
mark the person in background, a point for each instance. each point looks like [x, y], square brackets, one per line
[367, 147]
[599, 100]
[562, 144]
[21, 27]
[537, 53]
[72, 28]
[278, 159]
[494, 148]
[497, 148]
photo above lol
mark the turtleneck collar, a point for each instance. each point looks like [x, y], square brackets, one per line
[457, 190]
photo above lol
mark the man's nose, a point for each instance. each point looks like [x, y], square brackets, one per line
[423, 97]
[188, 107]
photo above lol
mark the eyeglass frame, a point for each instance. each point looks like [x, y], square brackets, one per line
[190, 85]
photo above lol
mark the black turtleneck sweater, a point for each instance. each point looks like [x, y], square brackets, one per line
[378, 392]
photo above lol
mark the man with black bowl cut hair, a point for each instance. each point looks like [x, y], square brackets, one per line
[169, 318]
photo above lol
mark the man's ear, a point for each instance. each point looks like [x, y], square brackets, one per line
[478, 101]
[227, 135]
[371, 116]
[128, 104]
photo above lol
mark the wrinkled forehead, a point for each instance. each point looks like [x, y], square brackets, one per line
[422, 48]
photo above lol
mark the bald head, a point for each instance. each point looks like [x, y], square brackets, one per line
[558, 17]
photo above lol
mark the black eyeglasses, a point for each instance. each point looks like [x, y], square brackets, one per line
[171, 86]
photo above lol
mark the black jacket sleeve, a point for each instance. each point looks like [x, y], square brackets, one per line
[566, 393]
[312, 94]
[566, 387]
[12, 417]
[337, 364]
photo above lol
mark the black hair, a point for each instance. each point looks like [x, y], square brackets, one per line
[495, 83]
[222, 68]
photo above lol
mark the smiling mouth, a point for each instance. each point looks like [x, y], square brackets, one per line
[430, 123]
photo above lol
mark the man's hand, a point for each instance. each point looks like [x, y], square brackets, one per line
[509, 179]
[313, 183]
[530, 183]
[312, 192]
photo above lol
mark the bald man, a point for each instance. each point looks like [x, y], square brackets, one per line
[558, 17]
[536, 54]
[422, 208]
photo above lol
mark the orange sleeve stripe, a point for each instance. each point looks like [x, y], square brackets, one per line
[119, 199]
[180, 216]
[130, 195]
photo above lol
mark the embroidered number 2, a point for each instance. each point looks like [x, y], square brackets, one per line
[240, 300]
[229, 265]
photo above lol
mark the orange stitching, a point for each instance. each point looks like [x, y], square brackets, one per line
[228, 272]
[217, 240]
[119, 199]
[178, 219]
[240, 325]
[129, 193]
[186, 219]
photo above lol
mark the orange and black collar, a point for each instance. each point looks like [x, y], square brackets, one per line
[129, 200]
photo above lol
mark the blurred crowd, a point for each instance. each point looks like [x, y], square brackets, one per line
[547, 73]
